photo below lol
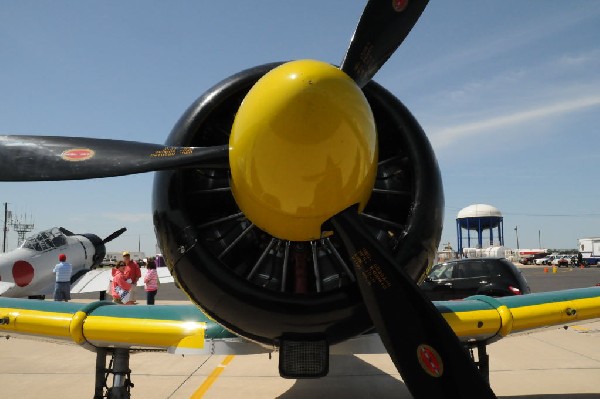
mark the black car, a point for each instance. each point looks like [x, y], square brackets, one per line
[458, 279]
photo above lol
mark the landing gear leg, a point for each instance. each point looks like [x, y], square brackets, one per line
[483, 360]
[100, 373]
[119, 368]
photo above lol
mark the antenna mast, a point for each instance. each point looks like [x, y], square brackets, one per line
[22, 228]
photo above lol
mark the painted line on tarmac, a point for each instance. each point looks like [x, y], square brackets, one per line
[580, 328]
[212, 378]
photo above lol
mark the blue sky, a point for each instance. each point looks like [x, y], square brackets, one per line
[507, 91]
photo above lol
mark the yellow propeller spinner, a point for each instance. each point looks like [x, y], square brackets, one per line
[303, 147]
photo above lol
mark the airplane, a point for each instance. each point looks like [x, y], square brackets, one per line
[27, 270]
[298, 204]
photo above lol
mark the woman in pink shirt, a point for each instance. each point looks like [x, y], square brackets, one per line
[151, 282]
[121, 289]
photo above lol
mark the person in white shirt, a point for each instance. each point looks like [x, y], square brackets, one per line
[62, 288]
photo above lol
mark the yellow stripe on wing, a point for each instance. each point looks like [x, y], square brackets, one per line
[145, 332]
[105, 330]
[24, 321]
[478, 323]
[517, 314]
[535, 316]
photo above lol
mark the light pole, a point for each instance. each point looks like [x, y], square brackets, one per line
[517, 234]
[5, 227]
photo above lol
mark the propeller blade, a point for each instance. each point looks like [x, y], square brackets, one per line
[65, 231]
[432, 361]
[37, 158]
[382, 27]
[114, 235]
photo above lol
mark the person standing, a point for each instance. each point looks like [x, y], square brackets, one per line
[151, 282]
[62, 287]
[132, 275]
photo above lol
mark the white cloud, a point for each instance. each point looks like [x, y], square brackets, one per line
[445, 136]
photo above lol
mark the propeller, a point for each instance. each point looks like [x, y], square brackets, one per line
[65, 231]
[114, 235]
[382, 28]
[423, 347]
[427, 353]
[38, 158]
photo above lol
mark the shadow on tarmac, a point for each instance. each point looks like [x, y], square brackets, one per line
[344, 381]
[371, 382]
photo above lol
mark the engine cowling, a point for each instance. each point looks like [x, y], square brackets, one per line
[263, 287]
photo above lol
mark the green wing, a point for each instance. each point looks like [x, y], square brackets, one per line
[174, 328]
[483, 318]
[185, 329]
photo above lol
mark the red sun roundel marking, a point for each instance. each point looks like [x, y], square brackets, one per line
[77, 154]
[22, 273]
[399, 5]
[430, 360]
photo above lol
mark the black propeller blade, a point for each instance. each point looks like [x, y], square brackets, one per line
[37, 158]
[426, 352]
[114, 235]
[382, 27]
[65, 231]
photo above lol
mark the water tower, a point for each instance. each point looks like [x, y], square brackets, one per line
[479, 218]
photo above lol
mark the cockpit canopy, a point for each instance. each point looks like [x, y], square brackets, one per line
[46, 240]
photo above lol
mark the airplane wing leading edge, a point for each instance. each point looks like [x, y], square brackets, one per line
[483, 318]
[185, 329]
[178, 329]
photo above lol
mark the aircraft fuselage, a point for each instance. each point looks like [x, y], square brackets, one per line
[28, 270]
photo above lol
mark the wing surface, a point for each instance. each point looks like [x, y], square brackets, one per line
[484, 318]
[179, 329]
[164, 276]
[5, 286]
[185, 329]
[93, 281]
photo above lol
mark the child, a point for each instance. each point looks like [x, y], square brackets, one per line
[151, 281]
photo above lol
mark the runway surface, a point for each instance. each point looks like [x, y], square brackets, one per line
[551, 364]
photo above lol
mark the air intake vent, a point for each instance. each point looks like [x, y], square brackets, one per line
[303, 357]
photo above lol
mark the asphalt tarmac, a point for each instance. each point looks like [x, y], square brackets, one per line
[555, 363]
[538, 279]
[565, 278]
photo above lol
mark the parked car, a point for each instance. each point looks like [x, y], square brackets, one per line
[546, 260]
[530, 259]
[527, 260]
[541, 261]
[458, 279]
[108, 262]
[561, 260]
